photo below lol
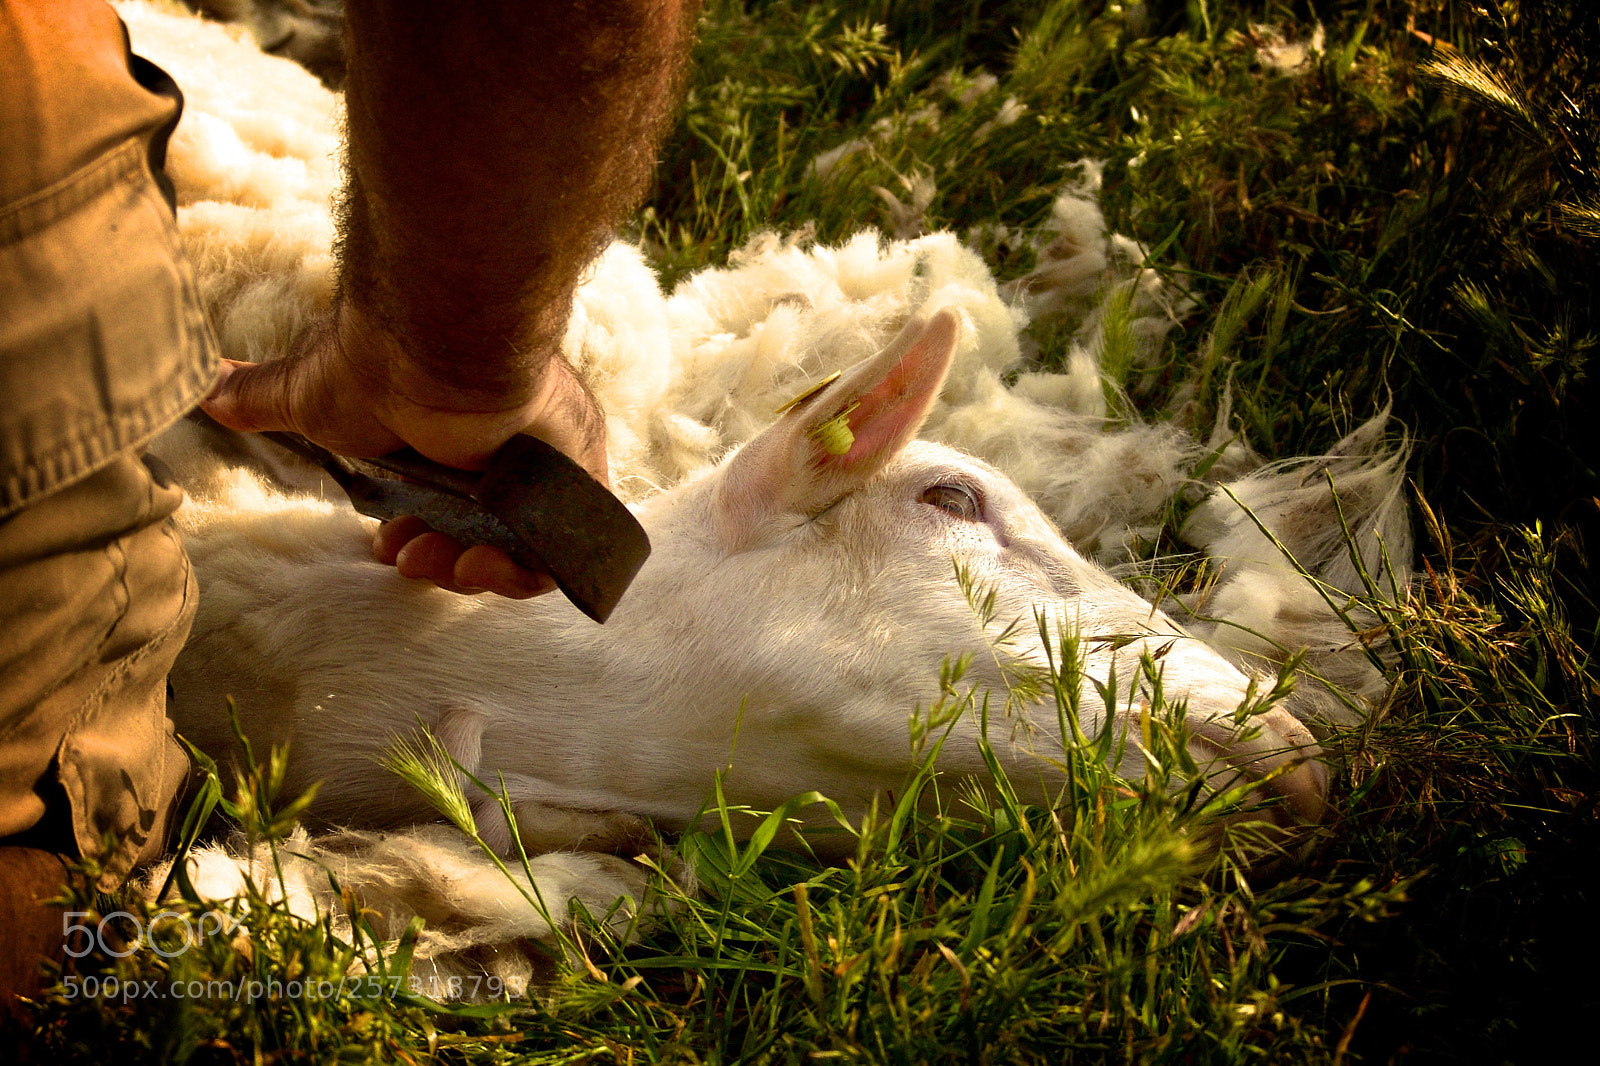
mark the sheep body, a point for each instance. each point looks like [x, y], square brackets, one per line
[805, 622]
[809, 634]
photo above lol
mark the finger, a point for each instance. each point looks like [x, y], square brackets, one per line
[394, 535]
[251, 396]
[295, 394]
[489, 568]
[479, 568]
[430, 557]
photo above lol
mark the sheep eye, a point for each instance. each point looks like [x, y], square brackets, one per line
[958, 500]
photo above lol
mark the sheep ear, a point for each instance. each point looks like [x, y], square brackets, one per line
[830, 443]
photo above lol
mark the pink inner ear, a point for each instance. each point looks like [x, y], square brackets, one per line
[881, 416]
[886, 418]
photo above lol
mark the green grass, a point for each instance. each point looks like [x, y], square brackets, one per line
[1410, 219]
[966, 926]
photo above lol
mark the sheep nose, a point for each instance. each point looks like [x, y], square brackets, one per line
[1252, 751]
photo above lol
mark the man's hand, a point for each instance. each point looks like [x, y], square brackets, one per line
[479, 184]
[350, 387]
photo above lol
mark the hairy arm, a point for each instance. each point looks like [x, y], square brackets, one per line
[491, 147]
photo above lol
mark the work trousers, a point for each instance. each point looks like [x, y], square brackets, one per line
[103, 343]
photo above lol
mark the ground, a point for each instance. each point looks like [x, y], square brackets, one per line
[1397, 204]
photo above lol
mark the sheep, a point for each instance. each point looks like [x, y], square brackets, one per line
[799, 601]
[801, 595]
[800, 598]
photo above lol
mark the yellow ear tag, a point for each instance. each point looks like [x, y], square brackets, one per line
[834, 434]
[812, 391]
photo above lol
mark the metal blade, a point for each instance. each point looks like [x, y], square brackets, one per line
[534, 503]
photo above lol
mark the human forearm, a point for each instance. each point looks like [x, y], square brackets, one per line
[492, 147]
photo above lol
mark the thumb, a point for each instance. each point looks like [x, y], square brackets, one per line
[251, 396]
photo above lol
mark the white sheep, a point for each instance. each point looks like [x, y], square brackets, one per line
[796, 599]
[799, 601]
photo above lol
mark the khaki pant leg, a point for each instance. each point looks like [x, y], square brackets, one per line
[97, 598]
[103, 343]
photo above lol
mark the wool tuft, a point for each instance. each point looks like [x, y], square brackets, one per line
[478, 922]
